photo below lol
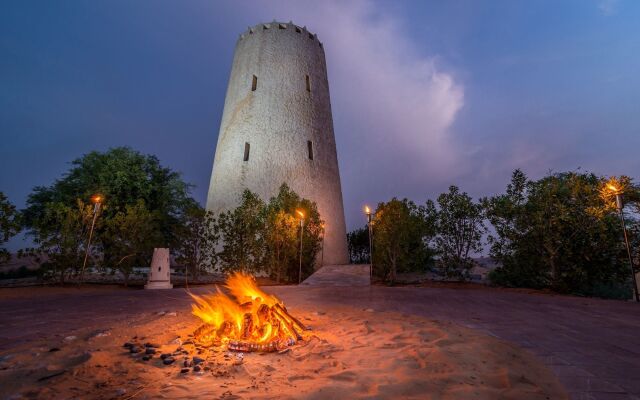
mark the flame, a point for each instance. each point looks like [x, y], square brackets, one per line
[367, 210]
[250, 321]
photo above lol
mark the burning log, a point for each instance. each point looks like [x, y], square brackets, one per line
[247, 326]
[296, 322]
[254, 321]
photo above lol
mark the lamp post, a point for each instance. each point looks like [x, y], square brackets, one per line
[96, 199]
[301, 214]
[322, 248]
[619, 205]
[367, 211]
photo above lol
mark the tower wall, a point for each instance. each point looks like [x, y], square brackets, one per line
[277, 113]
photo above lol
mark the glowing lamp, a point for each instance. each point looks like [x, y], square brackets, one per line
[96, 198]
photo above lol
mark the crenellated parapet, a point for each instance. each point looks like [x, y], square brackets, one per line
[276, 27]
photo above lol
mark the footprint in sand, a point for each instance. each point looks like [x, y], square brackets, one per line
[346, 376]
[299, 378]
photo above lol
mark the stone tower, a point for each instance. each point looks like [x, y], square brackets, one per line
[277, 127]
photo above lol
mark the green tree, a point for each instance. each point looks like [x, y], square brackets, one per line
[242, 233]
[131, 236]
[60, 236]
[459, 227]
[507, 213]
[557, 233]
[401, 232]
[358, 245]
[198, 240]
[282, 236]
[10, 225]
[282, 243]
[123, 176]
[265, 237]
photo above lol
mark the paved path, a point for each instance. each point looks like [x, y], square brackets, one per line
[592, 345]
[340, 275]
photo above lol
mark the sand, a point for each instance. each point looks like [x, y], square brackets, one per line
[349, 354]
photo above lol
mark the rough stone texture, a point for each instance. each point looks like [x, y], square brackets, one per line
[277, 120]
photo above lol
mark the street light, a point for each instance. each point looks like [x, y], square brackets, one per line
[367, 211]
[96, 199]
[301, 214]
[619, 205]
[322, 248]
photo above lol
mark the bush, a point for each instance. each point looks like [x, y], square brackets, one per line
[22, 272]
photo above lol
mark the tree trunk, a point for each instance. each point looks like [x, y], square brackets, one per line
[392, 273]
[277, 266]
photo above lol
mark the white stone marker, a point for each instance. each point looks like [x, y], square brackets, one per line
[160, 271]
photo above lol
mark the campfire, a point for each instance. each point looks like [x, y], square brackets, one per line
[250, 320]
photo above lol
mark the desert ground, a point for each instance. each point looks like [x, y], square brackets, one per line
[365, 342]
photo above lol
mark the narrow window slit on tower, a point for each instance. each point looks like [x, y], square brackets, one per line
[308, 82]
[310, 149]
[247, 147]
[254, 83]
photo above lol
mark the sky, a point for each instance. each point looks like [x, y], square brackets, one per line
[425, 94]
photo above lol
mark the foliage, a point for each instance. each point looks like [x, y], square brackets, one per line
[459, 226]
[198, 240]
[22, 272]
[10, 225]
[401, 232]
[358, 245]
[282, 237]
[265, 237]
[123, 176]
[557, 232]
[60, 236]
[242, 233]
[131, 235]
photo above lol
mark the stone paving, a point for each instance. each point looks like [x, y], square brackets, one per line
[340, 275]
[592, 345]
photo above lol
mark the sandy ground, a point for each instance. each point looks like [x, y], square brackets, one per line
[349, 353]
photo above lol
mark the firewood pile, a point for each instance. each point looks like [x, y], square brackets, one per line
[259, 324]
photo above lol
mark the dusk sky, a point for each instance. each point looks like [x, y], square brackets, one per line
[424, 93]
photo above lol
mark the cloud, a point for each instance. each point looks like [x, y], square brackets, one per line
[393, 106]
[608, 7]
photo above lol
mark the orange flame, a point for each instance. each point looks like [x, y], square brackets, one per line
[252, 318]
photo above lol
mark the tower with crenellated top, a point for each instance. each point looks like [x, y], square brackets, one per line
[277, 127]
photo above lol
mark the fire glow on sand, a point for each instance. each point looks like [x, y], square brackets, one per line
[250, 321]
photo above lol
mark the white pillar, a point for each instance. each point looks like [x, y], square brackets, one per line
[160, 270]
